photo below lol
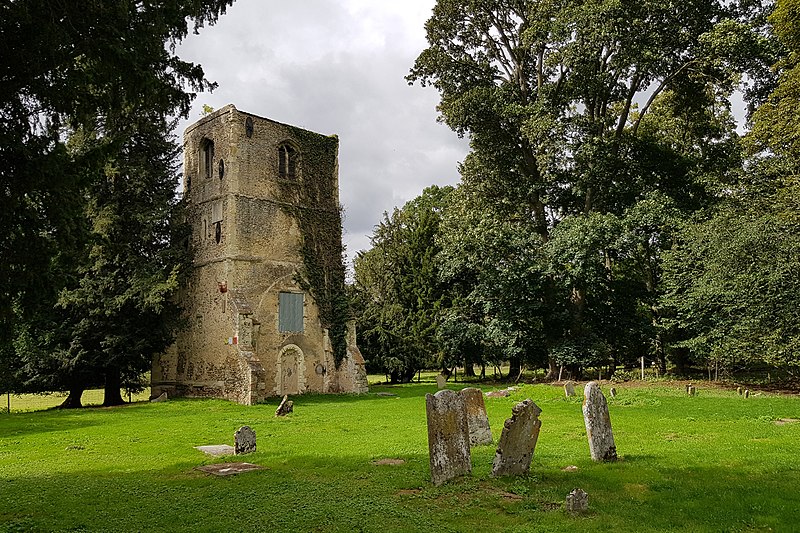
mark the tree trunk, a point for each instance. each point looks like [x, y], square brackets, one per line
[469, 370]
[552, 370]
[515, 365]
[73, 399]
[112, 395]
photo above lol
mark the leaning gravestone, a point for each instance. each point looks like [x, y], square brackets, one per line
[598, 424]
[448, 436]
[613, 392]
[518, 441]
[286, 406]
[441, 381]
[479, 431]
[577, 501]
[569, 389]
[244, 440]
[161, 398]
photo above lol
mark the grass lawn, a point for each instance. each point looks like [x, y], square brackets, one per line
[714, 462]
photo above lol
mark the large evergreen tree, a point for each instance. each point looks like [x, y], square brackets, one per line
[87, 92]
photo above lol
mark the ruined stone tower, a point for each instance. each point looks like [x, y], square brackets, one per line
[262, 201]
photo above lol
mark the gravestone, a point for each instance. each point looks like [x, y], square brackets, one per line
[688, 387]
[162, 398]
[478, 422]
[747, 393]
[569, 389]
[577, 501]
[739, 390]
[498, 394]
[518, 441]
[286, 406]
[448, 436]
[441, 381]
[217, 450]
[244, 440]
[598, 424]
[692, 391]
[613, 392]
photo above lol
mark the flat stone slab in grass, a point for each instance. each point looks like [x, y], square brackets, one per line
[217, 450]
[386, 394]
[228, 469]
[784, 421]
[497, 394]
[391, 462]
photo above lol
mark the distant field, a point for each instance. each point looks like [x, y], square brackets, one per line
[714, 462]
[38, 402]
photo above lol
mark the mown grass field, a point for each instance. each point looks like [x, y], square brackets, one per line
[715, 462]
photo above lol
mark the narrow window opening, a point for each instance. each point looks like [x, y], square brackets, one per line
[288, 162]
[207, 158]
[218, 232]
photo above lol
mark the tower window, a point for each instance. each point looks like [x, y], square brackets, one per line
[290, 312]
[287, 162]
[207, 158]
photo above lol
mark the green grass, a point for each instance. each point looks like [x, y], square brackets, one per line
[715, 462]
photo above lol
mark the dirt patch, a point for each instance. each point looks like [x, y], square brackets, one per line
[510, 496]
[228, 469]
[391, 462]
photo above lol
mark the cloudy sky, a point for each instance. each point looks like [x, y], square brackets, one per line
[337, 66]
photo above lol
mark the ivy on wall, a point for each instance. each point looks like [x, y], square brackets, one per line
[311, 200]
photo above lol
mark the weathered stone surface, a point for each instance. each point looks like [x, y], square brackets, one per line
[692, 390]
[441, 381]
[577, 501]
[480, 433]
[228, 469]
[286, 407]
[613, 392]
[518, 440]
[244, 440]
[448, 436]
[389, 462]
[386, 394]
[569, 389]
[598, 424]
[217, 450]
[739, 391]
[747, 393]
[498, 394]
[161, 398]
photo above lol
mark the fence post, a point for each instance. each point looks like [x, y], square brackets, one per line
[8, 399]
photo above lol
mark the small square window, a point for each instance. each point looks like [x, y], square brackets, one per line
[290, 312]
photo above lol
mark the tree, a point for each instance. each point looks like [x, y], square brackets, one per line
[397, 288]
[84, 118]
[568, 107]
[733, 278]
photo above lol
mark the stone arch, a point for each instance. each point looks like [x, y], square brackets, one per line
[290, 371]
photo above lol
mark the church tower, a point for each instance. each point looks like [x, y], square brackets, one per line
[263, 202]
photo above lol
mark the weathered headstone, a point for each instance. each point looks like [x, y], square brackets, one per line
[577, 501]
[478, 422]
[498, 394]
[569, 389]
[441, 381]
[598, 424]
[244, 440]
[613, 392]
[286, 406]
[692, 391]
[747, 393]
[161, 398]
[739, 391]
[518, 440]
[688, 387]
[448, 436]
